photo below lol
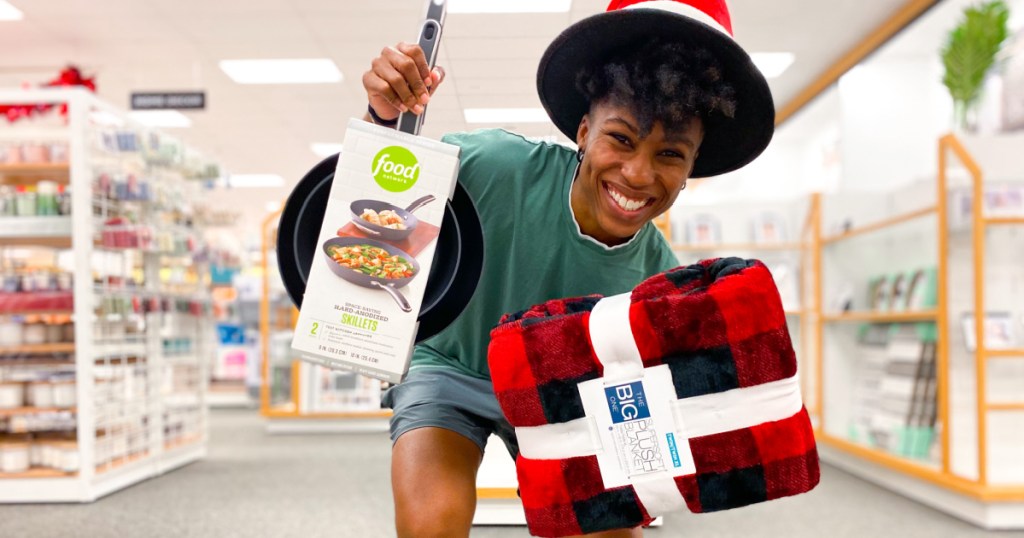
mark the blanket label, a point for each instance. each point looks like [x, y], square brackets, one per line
[627, 402]
[637, 428]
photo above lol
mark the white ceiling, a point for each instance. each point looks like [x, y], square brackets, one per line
[491, 60]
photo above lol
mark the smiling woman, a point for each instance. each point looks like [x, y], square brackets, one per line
[654, 92]
[640, 140]
[626, 179]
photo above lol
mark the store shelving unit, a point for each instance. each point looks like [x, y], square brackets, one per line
[296, 396]
[958, 476]
[138, 357]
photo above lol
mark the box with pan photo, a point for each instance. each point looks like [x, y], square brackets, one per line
[375, 249]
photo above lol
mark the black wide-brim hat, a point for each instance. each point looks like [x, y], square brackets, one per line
[729, 143]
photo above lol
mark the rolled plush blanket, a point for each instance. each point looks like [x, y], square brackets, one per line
[627, 407]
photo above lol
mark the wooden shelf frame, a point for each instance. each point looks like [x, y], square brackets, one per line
[497, 493]
[941, 475]
[923, 471]
[25, 169]
[883, 317]
[54, 242]
[290, 410]
[880, 225]
[1005, 406]
[18, 411]
[679, 247]
[990, 221]
[38, 349]
[38, 472]
[41, 312]
[1014, 353]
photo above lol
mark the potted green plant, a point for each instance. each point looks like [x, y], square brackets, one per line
[969, 54]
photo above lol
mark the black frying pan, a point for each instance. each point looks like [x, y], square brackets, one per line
[380, 232]
[454, 273]
[390, 285]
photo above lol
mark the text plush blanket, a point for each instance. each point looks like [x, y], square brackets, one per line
[738, 432]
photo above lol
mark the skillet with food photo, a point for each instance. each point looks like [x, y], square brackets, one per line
[372, 264]
[385, 221]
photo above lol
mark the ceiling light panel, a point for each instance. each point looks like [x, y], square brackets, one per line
[10, 13]
[772, 64]
[505, 115]
[255, 181]
[322, 149]
[161, 118]
[299, 71]
[509, 6]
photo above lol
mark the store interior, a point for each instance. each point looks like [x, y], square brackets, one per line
[147, 377]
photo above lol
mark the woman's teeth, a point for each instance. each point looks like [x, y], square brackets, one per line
[626, 203]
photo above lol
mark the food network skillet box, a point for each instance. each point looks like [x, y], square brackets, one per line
[366, 285]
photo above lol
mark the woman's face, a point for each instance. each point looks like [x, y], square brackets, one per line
[625, 180]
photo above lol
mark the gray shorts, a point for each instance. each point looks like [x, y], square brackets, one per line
[445, 398]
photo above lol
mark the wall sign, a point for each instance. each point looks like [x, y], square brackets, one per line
[168, 100]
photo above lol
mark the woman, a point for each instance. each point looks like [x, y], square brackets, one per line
[653, 92]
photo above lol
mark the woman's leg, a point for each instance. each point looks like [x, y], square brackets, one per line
[433, 479]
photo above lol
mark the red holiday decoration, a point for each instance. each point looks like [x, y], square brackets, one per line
[68, 77]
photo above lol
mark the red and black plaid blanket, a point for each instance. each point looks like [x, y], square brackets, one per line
[719, 326]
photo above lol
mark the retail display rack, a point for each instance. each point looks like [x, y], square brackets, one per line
[917, 393]
[297, 396]
[104, 332]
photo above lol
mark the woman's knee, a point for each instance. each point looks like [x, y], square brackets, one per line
[434, 483]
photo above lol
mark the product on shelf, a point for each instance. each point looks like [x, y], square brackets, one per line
[17, 331]
[33, 152]
[14, 455]
[703, 230]
[768, 228]
[61, 455]
[40, 421]
[42, 279]
[34, 333]
[12, 395]
[25, 202]
[40, 394]
[64, 394]
[44, 199]
[10, 332]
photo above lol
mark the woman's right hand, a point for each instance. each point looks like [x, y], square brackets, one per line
[399, 80]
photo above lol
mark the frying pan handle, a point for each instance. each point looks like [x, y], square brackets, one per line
[403, 303]
[420, 202]
[430, 42]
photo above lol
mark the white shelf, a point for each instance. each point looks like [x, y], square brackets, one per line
[29, 227]
[229, 399]
[114, 351]
[181, 400]
[118, 377]
[188, 359]
[51, 232]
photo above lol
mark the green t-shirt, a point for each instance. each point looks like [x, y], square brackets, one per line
[534, 251]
